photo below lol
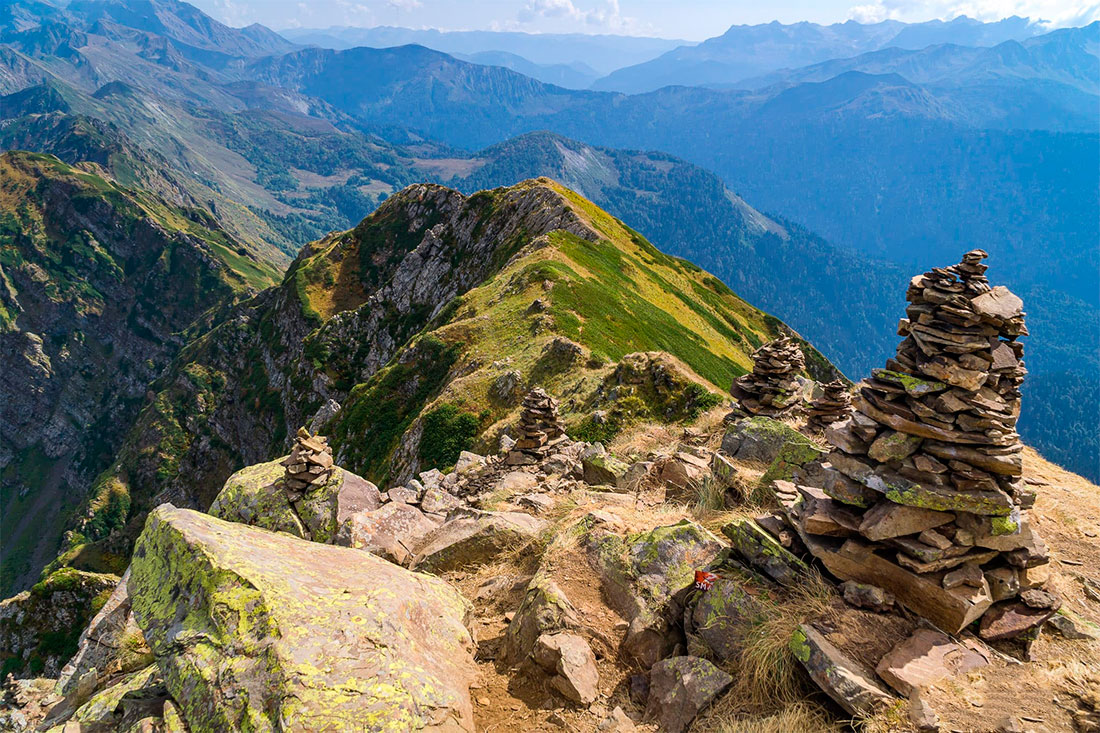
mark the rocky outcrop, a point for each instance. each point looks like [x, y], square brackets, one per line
[264, 496]
[39, 627]
[286, 634]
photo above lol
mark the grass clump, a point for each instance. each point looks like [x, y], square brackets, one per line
[447, 431]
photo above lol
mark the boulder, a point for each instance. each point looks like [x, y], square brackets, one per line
[475, 539]
[132, 698]
[924, 659]
[438, 501]
[846, 681]
[255, 496]
[603, 469]
[391, 531]
[573, 665]
[764, 553]
[680, 688]
[640, 574]
[262, 631]
[759, 439]
[468, 463]
[683, 472]
[544, 609]
[111, 643]
[721, 618]
[1009, 619]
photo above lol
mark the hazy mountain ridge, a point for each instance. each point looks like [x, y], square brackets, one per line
[746, 51]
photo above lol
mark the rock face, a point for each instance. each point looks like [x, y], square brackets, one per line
[97, 285]
[39, 627]
[933, 456]
[475, 539]
[772, 388]
[262, 631]
[540, 429]
[851, 685]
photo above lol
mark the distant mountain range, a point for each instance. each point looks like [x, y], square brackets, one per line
[900, 159]
[746, 51]
[601, 53]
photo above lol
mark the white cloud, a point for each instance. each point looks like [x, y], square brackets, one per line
[605, 17]
[405, 5]
[1055, 13]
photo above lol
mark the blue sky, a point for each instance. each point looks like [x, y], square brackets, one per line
[693, 20]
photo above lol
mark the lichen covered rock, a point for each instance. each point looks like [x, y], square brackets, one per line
[261, 631]
[256, 496]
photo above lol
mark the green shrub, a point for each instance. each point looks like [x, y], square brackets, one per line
[447, 432]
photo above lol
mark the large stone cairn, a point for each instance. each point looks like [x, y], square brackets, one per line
[309, 464]
[540, 429]
[925, 477]
[832, 406]
[772, 388]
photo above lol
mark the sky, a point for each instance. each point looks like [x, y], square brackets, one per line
[687, 19]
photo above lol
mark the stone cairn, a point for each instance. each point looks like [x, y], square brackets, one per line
[540, 429]
[771, 388]
[832, 406]
[925, 477]
[309, 464]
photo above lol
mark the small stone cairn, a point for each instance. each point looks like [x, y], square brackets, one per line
[309, 464]
[832, 406]
[540, 429]
[772, 387]
[926, 475]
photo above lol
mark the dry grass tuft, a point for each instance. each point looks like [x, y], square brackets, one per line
[641, 439]
[801, 717]
[767, 673]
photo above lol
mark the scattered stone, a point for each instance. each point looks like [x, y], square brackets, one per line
[1072, 626]
[616, 722]
[846, 681]
[684, 471]
[921, 715]
[925, 658]
[772, 387]
[864, 595]
[680, 688]
[540, 430]
[721, 618]
[570, 659]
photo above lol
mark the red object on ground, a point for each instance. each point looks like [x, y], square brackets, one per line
[704, 580]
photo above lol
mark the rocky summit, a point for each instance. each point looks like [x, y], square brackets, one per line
[469, 467]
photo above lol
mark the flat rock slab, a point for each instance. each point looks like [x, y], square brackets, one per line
[466, 542]
[1009, 619]
[255, 630]
[925, 658]
[887, 519]
[851, 685]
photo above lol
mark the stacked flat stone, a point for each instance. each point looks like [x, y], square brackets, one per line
[926, 473]
[540, 429]
[309, 464]
[772, 387]
[832, 406]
